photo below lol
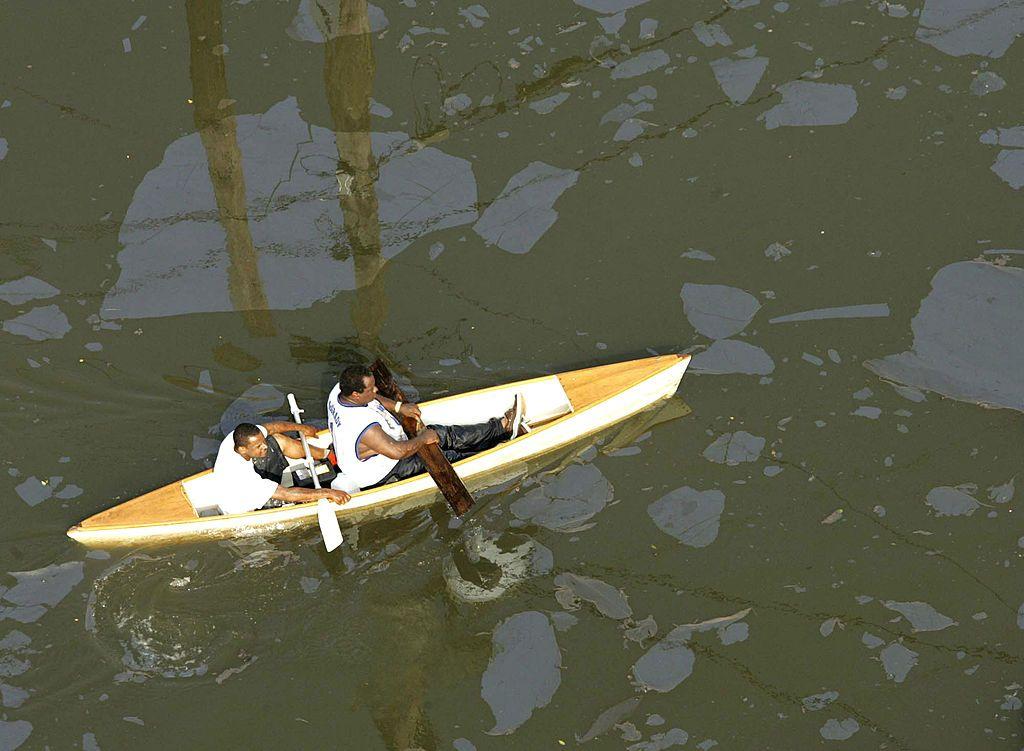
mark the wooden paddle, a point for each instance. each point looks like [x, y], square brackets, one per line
[440, 469]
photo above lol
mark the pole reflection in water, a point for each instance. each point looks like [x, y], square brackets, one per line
[214, 114]
[396, 700]
[349, 68]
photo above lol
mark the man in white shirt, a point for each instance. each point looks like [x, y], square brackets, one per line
[241, 489]
[371, 445]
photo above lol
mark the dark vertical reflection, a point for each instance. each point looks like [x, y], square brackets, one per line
[215, 121]
[414, 620]
[349, 68]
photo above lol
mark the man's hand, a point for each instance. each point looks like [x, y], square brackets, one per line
[410, 410]
[428, 435]
[337, 496]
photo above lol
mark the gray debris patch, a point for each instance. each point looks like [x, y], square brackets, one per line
[806, 103]
[523, 212]
[33, 491]
[727, 356]
[255, 401]
[289, 167]
[670, 662]
[629, 130]
[897, 661]
[872, 413]
[40, 589]
[625, 111]
[12, 697]
[871, 641]
[39, 324]
[1013, 137]
[25, 289]
[564, 503]
[661, 741]
[463, 744]
[971, 27]
[643, 63]
[922, 616]
[718, 311]
[544, 106]
[609, 718]
[817, 702]
[734, 632]
[689, 515]
[828, 626]
[697, 255]
[612, 24]
[13, 734]
[987, 82]
[608, 600]
[776, 251]
[735, 448]
[880, 310]
[524, 671]
[609, 6]
[950, 501]
[665, 665]
[642, 631]
[897, 93]
[839, 730]
[711, 34]
[3, 149]
[1002, 493]
[1009, 165]
[739, 78]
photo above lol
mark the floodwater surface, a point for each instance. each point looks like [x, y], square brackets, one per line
[207, 205]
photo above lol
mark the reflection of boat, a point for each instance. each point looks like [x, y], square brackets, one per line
[560, 408]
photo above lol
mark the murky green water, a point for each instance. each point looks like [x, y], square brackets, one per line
[204, 206]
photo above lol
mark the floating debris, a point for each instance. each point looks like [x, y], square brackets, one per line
[524, 670]
[949, 501]
[643, 63]
[523, 212]
[880, 310]
[897, 661]
[39, 324]
[839, 730]
[689, 515]
[970, 27]
[806, 103]
[718, 311]
[739, 78]
[24, 290]
[609, 718]
[922, 616]
[609, 601]
[735, 448]
[731, 356]
[565, 502]
[817, 702]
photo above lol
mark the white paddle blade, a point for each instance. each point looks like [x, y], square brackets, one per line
[329, 526]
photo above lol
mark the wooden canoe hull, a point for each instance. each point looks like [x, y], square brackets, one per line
[600, 397]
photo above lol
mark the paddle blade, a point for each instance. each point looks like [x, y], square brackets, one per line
[329, 526]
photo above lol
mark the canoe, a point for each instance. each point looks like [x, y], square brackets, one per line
[561, 409]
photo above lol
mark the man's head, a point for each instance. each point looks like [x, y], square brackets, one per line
[356, 385]
[250, 443]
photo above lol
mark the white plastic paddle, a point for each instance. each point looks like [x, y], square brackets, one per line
[329, 527]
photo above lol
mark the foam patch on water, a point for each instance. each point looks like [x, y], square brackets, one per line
[567, 501]
[39, 324]
[27, 288]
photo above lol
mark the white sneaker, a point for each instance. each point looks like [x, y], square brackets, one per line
[518, 423]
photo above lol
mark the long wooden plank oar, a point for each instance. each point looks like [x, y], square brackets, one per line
[440, 469]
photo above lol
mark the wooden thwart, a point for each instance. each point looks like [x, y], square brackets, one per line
[440, 469]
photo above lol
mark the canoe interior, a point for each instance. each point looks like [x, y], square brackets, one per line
[548, 401]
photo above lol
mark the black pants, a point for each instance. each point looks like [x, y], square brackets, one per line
[456, 442]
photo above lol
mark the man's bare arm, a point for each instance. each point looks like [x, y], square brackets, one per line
[376, 441]
[308, 495]
[273, 428]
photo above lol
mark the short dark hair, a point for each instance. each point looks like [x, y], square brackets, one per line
[244, 433]
[351, 379]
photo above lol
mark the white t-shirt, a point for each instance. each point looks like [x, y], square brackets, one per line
[239, 488]
[348, 422]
